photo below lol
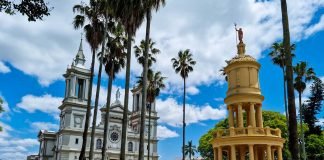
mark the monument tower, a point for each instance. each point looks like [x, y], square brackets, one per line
[245, 140]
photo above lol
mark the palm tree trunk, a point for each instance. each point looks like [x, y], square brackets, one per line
[184, 119]
[86, 125]
[144, 91]
[149, 133]
[190, 152]
[104, 148]
[303, 152]
[285, 98]
[125, 113]
[95, 112]
[293, 137]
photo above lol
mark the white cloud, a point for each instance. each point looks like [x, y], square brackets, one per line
[164, 133]
[14, 148]
[4, 68]
[45, 103]
[320, 122]
[170, 112]
[206, 28]
[192, 90]
[315, 28]
[219, 99]
[36, 126]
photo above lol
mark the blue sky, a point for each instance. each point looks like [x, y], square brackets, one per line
[33, 57]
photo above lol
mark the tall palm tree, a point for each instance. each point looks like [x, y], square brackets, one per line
[89, 13]
[293, 137]
[155, 84]
[148, 6]
[278, 58]
[183, 64]
[139, 53]
[131, 15]
[303, 75]
[114, 62]
[190, 149]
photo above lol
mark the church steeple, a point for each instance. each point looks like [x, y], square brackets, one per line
[79, 58]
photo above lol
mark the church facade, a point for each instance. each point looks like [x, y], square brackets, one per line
[65, 144]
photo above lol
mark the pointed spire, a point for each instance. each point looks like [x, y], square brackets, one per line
[80, 58]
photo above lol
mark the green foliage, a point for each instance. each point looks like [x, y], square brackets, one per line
[271, 119]
[313, 107]
[33, 9]
[315, 146]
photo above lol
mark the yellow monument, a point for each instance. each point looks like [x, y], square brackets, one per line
[250, 140]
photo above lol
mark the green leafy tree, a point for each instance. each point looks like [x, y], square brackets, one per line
[90, 14]
[183, 64]
[131, 15]
[271, 119]
[293, 137]
[315, 146]
[278, 58]
[190, 149]
[1, 110]
[33, 9]
[313, 107]
[303, 75]
[148, 6]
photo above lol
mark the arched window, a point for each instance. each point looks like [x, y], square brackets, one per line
[99, 144]
[130, 146]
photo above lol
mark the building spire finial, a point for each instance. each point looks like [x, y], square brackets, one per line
[80, 58]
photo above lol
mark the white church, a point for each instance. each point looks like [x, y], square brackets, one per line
[65, 144]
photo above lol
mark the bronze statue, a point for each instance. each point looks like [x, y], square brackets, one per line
[240, 34]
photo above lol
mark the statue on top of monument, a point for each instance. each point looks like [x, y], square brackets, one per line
[240, 34]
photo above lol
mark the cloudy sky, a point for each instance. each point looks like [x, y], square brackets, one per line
[33, 57]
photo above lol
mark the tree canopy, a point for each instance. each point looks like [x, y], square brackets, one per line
[33, 9]
[271, 119]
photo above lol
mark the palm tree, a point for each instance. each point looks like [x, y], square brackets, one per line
[131, 15]
[303, 75]
[183, 64]
[155, 84]
[139, 53]
[148, 6]
[293, 137]
[114, 62]
[190, 149]
[278, 58]
[91, 14]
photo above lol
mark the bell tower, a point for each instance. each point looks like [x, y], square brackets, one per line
[244, 96]
[73, 108]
